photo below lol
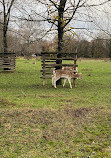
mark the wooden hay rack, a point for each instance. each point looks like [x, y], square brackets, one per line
[49, 62]
[7, 61]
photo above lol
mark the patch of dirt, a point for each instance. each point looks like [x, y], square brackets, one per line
[67, 100]
[48, 124]
[47, 116]
[5, 103]
[78, 112]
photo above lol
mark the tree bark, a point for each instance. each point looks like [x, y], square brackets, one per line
[5, 27]
[6, 17]
[5, 38]
[110, 49]
[60, 34]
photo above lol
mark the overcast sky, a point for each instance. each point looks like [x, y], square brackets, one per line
[101, 16]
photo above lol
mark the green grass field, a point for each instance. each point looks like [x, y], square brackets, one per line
[43, 122]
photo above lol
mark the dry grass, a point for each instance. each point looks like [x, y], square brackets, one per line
[55, 133]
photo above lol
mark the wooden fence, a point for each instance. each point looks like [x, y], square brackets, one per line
[7, 61]
[49, 62]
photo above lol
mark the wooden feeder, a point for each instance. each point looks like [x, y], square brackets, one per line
[7, 61]
[49, 59]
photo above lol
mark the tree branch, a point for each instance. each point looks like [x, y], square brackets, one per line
[53, 4]
[72, 14]
[94, 5]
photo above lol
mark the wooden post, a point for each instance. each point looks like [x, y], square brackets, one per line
[44, 71]
[74, 80]
[44, 82]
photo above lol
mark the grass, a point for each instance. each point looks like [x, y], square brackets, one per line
[43, 122]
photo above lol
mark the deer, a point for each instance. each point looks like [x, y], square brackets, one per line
[66, 74]
[70, 68]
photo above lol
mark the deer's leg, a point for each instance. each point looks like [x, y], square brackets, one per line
[64, 81]
[54, 83]
[52, 80]
[69, 80]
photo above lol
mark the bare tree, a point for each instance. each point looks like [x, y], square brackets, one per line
[60, 13]
[6, 10]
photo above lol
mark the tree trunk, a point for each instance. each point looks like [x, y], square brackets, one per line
[110, 49]
[60, 34]
[5, 47]
[4, 39]
[60, 46]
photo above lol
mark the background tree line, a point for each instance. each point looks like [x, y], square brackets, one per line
[96, 48]
[25, 37]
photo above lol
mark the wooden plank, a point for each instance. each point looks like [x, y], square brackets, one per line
[48, 58]
[74, 80]
[43, 72]
[65, 58]
[4, 62]
[46, 77]
[49, 67]
[54, 65]
[48, 73]
[5, 66]
[8, 62]
[48, 61]
[48, 53]
[46, 70]
[8, 53]
[49, 77]
[11, 70]
[57, 53]
[7, 58]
